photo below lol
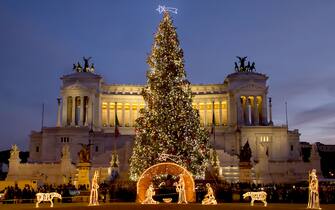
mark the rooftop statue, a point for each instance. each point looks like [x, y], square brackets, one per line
[87, 67]
[242, 67]
[86, 64]
[242, 60]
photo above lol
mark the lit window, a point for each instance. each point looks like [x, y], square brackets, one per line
[265, 139]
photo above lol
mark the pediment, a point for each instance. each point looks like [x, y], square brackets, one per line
[76, 86]
[251, 86]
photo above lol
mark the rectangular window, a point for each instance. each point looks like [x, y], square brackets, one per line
[265, 139]
[96, 149]
[37, 149]
[64, 139]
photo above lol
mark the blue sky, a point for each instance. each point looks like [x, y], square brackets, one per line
[290, 41]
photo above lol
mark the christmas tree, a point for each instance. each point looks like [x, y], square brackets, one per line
[168, 125]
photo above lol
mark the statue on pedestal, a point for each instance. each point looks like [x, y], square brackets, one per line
[84, 153]
[313, 191]
[209, 197]
[14, 152]
[245, 153]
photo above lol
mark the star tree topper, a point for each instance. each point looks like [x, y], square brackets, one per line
[163, 8]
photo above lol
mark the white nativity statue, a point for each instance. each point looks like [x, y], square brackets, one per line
[313, 191]
[256, 196]
[180, 188]
[94, 196]
[148, 195]
[47, 197]
[209, 197]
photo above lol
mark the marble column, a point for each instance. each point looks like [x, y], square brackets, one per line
[264, 110]
[220, 112]
[108, 115]
[240, 113]
[131, 115]
[229, 111]
[81, 119]
[123, 115]
[86, 105]
[249, 113]
[256, 114]
[270, 111]
[64, 111]
[99, 114]
[73, 110]
[58, 124]
[90, 111]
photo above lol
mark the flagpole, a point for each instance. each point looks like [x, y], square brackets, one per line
[42, 123]
[286, 114]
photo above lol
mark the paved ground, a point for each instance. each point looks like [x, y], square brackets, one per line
[134, 206]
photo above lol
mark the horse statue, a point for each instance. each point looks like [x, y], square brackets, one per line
[256, 196]
[47, 197]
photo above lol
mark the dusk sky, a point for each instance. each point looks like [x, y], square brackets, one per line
[293, 42]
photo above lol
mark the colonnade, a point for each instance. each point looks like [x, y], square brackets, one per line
[128, 112]
[77, 111]
[251, 110]
[209, 109]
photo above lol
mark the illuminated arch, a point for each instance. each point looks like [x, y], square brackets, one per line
[165, 168]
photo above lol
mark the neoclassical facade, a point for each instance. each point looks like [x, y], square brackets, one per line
[239, 107]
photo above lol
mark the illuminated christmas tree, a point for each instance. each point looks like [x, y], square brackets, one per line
[168, 126]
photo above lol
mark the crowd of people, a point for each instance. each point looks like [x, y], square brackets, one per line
[224, 192]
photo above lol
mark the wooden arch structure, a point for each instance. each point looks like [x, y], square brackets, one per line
[165, 168]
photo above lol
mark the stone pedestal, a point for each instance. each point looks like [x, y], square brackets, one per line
[83, 174]
[245, 172]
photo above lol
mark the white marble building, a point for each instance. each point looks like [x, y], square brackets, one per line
[88, 106]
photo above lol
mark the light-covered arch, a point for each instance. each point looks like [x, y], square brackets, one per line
[165, 168]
